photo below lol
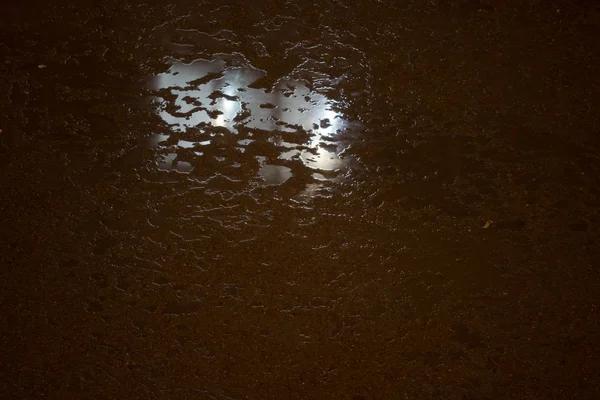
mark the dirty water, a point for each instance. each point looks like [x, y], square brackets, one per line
[300, 200]
[217, 112]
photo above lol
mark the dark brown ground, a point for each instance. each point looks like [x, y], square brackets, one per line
[122, 281]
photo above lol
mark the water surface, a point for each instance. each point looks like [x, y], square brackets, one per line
[299, 200]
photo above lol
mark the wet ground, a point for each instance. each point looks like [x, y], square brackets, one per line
[300, 200]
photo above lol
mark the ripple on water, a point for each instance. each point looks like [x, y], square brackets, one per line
[221, 121]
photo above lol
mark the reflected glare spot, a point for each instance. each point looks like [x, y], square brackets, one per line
[206, 93]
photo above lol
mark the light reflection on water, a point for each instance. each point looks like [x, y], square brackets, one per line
[207, 94]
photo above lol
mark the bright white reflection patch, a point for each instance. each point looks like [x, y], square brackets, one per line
[211, 93]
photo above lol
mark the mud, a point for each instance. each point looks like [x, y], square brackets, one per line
[300, 200]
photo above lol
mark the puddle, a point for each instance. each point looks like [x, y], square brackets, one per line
[169, 162]
[275, 174]
[205, 102]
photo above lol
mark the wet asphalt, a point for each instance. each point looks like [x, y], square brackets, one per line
[300, 200]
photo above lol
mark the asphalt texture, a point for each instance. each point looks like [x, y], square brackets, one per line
[300, 200]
